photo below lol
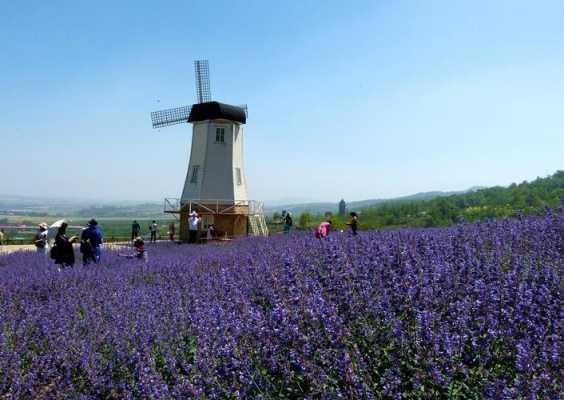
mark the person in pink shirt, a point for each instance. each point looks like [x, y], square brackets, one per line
[323, 230]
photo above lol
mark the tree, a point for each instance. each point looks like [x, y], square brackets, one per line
[304, 221]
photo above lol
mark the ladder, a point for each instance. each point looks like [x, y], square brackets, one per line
[262, 225]
[258, 225]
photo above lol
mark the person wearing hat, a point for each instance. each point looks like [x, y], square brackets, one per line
[40, 239]
[193, 222]
[94, 237]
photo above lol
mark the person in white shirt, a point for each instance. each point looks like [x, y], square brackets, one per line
[193, 222]
[40, 239]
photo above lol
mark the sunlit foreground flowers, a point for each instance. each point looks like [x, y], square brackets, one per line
[471, 311]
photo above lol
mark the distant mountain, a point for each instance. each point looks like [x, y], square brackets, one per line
[323, 207]
[30, 205]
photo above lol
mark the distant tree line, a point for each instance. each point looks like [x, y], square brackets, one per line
[495, 202]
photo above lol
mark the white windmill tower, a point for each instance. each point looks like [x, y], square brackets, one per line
[216, 185]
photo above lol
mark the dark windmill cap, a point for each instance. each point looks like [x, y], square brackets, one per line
[216, 110]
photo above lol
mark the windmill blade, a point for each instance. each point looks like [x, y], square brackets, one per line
[203, 91]
[172, 116]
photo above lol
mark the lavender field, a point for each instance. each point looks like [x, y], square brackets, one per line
[467, 312]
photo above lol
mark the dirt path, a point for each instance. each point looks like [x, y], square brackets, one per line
[10, 248]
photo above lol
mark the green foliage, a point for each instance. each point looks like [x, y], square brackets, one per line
[496, 202]
[305, 220]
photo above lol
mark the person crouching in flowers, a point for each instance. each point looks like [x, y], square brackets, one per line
[62, 252]
[323, 229]
[139, 250]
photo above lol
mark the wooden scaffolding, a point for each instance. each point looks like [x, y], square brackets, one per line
[230, 217]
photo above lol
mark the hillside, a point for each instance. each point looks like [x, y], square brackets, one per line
[496, 202]
[323, 207]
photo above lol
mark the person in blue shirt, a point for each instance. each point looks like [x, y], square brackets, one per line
[95, 238]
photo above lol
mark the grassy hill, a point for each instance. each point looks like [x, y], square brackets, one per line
[332, 207]
[495, 202]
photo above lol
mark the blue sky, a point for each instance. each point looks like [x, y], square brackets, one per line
[346, 99]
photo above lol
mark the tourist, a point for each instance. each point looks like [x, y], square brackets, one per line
[62, 251]
[323, 229]
[288, 222]
[212, 233]
[153, 229]
[135, 230]
[139, 250]
[353, 223]
[40, 239]
[86, 247]
[193, 222]
[2, 237]
[93, 234]
[171, 231]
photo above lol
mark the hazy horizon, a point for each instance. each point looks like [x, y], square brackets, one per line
[269, 202]
[358, 101]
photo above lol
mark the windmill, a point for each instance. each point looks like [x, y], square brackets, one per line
[215, 185]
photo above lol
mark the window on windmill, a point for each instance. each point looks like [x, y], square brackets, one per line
[194, 178]
[239, 177]
[220, 135]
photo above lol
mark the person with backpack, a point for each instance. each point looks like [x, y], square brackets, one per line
[135, 230]
[153, 228]
[94, 237]
[40, 240]
[288, 222]
[62, 251]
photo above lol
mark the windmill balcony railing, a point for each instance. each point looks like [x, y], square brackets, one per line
[214, 206]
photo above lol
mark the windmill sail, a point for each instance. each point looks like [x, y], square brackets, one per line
[172, 116]
[203, 91]
[179, 115]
